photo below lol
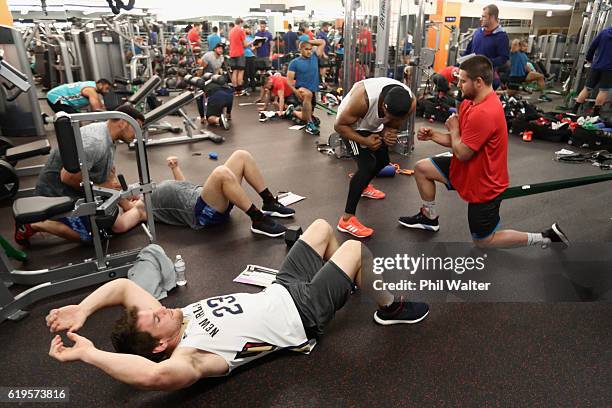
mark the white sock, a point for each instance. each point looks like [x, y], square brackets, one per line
[537, 239]
[430, 207]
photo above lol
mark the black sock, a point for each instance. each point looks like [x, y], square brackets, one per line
[254, 213]
[267, 196]
[596, 110]
[577, 106]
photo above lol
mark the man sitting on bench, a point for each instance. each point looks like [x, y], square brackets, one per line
[520, 72]
[169, 349]
[99, 142]
[71, 98]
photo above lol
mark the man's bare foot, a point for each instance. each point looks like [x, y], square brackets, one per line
[172, 161]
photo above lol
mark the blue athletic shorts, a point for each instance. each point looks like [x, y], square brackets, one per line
[206, 215]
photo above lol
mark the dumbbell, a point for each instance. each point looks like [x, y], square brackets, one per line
[292, 234]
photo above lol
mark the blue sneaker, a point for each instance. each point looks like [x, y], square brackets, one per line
[312, 129]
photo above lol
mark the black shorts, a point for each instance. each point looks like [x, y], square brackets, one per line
[60, 107]
[483, 218]
[292, 100]
[263, 63]
[238, 63]
[218, 101]
[318, 288]
[600, 77]
[517, 80]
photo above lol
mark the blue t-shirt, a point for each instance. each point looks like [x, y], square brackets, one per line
[213, 40]
[70, 94]
[264, 50]
[290, 39]
[323, 36]
[306, 72]
[518, 60]
[248, 51]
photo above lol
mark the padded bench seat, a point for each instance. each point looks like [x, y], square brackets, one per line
[169, 107]
[24, 151]
[144, 90]
[35, 209]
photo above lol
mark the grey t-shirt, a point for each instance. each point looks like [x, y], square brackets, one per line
[214, 62]
[99, 154]
[174, 203]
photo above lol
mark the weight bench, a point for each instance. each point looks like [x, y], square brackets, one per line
[171, 106]
[99, 204]
[9, 173]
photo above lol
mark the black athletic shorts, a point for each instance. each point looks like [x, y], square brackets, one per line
[483, 218]
[600, 77]
[292, 100]
[318, 288]
[517, 80]
[222, 99]
[238, 63]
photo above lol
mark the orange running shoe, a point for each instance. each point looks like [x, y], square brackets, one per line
[354, 227]
[371, 192]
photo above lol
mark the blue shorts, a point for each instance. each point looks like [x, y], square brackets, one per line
[206, 215]
[80, 225]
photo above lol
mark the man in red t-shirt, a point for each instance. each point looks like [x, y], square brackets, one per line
[478, 168]
[366, 49]
[194, 35]
[276, 90]
[237, 39]
[443, 79]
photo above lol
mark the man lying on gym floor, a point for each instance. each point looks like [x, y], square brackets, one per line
[179, 202]
[169, 349]
[478, 168]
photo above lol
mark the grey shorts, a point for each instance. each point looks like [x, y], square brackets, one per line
[318, 288]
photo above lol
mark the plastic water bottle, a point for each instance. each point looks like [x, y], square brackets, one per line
[179, 268]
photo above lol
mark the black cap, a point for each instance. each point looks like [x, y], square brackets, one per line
[398, 101]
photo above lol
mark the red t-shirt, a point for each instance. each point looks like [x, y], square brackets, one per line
[310, 34]
[483, 129]
[236, 39]
[365, 41]
[193, 36]
[448, 73]
[280, 82]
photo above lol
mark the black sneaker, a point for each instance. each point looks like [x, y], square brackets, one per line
[316, 121]
[555, 234]
[276, 209]
[224, 122]
[267, 226]
[288, 114]
[420, 221]
[262, 117]
[401, 312]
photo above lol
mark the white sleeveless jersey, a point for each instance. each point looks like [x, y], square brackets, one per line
[242, 327]
[373, 87]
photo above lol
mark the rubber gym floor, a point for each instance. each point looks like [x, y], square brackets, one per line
[463, 354]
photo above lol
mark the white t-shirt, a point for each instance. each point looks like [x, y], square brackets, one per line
[242, 327]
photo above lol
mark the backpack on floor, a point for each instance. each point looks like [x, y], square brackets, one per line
[518, 114]
[600, 139]
[435, 108]
[552, 127]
